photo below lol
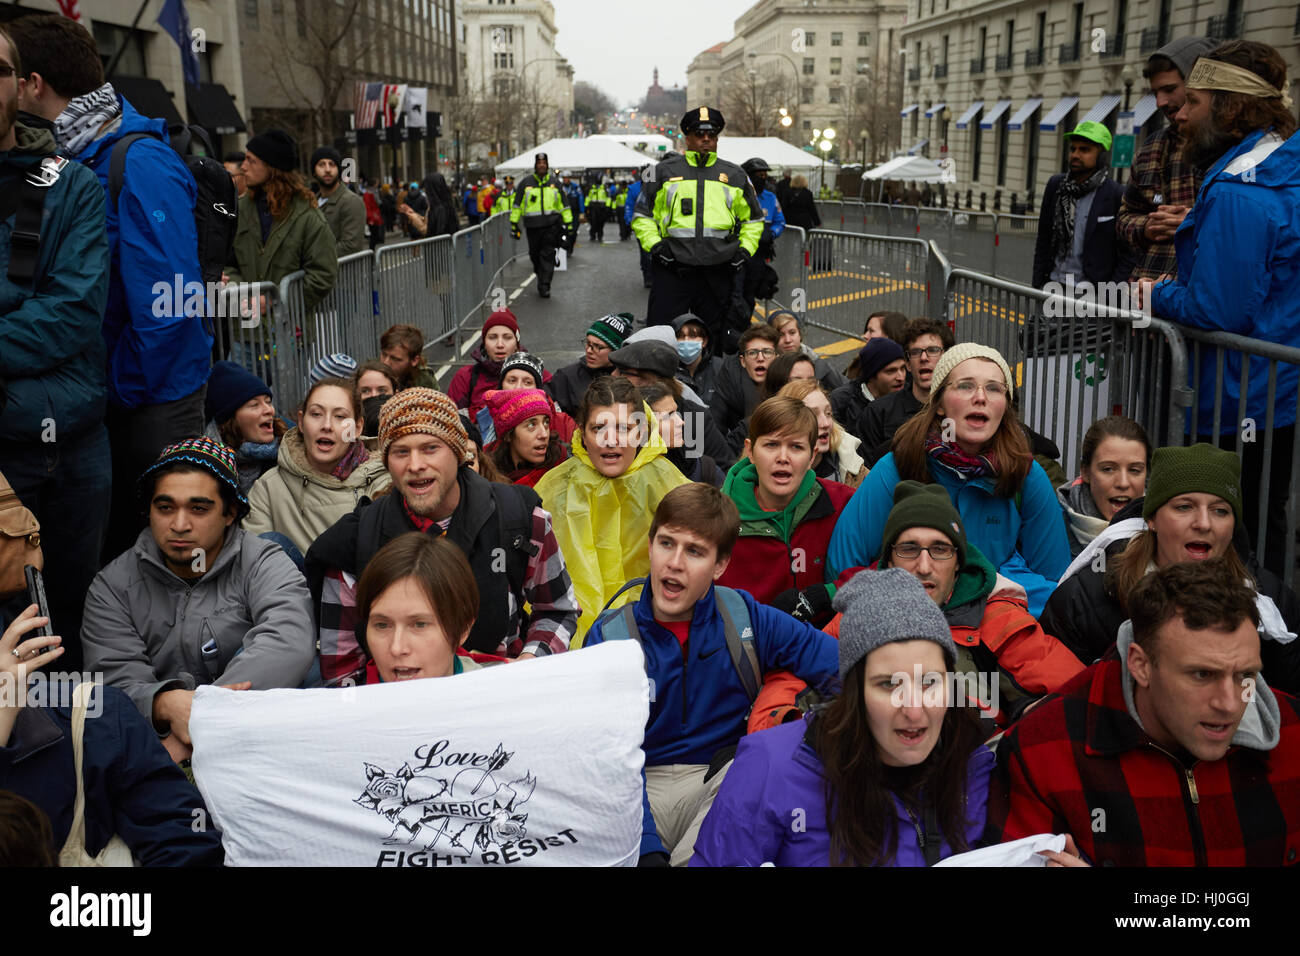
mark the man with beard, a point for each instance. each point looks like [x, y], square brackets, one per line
[344, 210]
[1239, 258]
[504, 531]
[1163, 184]
[542, 206]
[1076, 228]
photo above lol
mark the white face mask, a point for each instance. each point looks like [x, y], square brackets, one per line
[688, 350]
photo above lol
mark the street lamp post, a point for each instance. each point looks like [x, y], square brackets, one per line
[754, 54]
[822, 139]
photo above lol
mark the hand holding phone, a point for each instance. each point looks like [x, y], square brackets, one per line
[36, 594]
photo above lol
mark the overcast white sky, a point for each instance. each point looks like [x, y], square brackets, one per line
[616, 46]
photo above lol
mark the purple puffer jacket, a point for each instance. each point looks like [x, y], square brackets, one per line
[771, 807]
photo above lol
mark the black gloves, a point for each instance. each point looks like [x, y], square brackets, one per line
[661, 254]
[811, 605]
[514, 230]
[741, 257]
[653, 859]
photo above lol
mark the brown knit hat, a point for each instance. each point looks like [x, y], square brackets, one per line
[422, 411]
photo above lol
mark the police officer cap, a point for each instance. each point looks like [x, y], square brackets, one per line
[541, 157]
[703, 120]
[755, 165]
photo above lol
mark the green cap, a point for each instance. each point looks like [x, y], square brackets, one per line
[1093, 132]
[923, 506]
[1201, 468]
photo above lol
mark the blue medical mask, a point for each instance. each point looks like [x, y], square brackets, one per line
[688, 350]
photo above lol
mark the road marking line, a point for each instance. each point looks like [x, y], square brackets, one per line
[469, 343]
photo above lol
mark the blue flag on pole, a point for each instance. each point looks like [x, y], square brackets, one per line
[175, 20]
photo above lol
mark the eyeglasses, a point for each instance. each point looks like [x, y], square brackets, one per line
[967, 389]
[760, 353]
[910, 551]
[934, 351]
[602, 347]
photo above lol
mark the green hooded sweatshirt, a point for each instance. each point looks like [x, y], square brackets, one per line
[739, 486]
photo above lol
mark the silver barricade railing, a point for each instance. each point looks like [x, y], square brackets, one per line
[854, 215]
[243, 318]
[788, 263]
[876, 218]
[933, 223]
[1014, 238]
[831, 212]
[972, 241]
[1235, 380]
[936, 283]
[414, 284]
[1075, 361]
[850, 276]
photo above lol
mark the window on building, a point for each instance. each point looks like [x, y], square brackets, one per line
[108, 38]
[1010, 37]
[503, 61]
[836, 95]
[837, 39]
[250, 11]
[836, 66]
[810, 38]
[1031, 155]
[864, 38]
[984, 42]
[806, 95]
[809, 66]
[277, 8]
[1003, 149]
[807, 124]
[863, 65]
[975, 151]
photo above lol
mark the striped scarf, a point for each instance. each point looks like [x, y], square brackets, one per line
[968, 466]
[82, 119]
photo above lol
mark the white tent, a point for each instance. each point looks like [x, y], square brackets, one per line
[911, 169]
[651, 144]
[575, 155]
[779, 154]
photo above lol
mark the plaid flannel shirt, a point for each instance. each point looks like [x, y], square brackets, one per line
[1079, 764]
[547, 588]
[1159, 170]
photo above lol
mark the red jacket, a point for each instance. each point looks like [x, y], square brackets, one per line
[764, 565]
[1079, 764]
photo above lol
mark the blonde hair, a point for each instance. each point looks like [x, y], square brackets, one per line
[799, 182]
[801, 389]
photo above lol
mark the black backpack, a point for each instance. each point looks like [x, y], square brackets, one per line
[214, 208]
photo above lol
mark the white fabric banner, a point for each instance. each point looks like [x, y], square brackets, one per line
[417, 102]
[534, 763]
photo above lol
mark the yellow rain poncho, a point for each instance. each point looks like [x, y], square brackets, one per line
[603, 524]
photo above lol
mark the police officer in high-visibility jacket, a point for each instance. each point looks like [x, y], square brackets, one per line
[700, 220]
[539, 203]
[597, 210]
[507, 198]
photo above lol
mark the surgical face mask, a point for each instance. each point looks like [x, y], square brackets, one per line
[688, 350]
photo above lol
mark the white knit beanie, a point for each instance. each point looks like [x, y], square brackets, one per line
[960, 353]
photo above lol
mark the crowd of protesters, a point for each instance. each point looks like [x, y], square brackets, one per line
[949, 640]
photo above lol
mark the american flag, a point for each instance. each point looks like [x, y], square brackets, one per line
[394, 94]
[366, 104]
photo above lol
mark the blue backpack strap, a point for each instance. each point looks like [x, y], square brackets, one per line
[117, 163]
[739, 631]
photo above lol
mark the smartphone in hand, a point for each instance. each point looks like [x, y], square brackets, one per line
[36, 595]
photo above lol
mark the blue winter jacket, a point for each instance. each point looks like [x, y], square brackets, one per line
[152, 358]
[699, 705]
[1027, 544]
[132, 787]
[633, 191]
[51, 352]
[1238, 270]
[772, 215]
[776, 780]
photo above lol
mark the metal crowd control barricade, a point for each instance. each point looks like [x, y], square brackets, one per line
[414, 282]
[850, 276]
[1230, 375]
[934, 224]
[1014, 238]
[876, 218]
[936, 283]
[903, 221]
[831, 212]
[854, 216]
[1074, 361]
[788, 263]
[972, 241]
[244, 318]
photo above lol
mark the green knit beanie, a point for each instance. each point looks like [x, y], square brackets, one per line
[923, 506]
[1200, 468]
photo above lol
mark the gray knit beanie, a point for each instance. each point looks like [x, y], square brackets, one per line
[881, 607]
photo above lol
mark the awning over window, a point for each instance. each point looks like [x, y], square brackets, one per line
[908, 110]
[213, 109]
[935, 109]
[1021, 116]
[994, 113]
[1145, 109]
[1057, 114]
[1105, 106]
[149, 97]
[964, 120]
[918, 147]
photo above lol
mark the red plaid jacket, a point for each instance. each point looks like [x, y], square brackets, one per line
[1079, 764]
[1160, 176]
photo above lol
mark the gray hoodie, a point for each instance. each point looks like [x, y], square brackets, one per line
[146, 629]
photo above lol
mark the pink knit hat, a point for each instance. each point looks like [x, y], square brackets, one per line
[511, 407]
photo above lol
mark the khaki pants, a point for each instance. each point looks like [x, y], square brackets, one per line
[680, 799]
